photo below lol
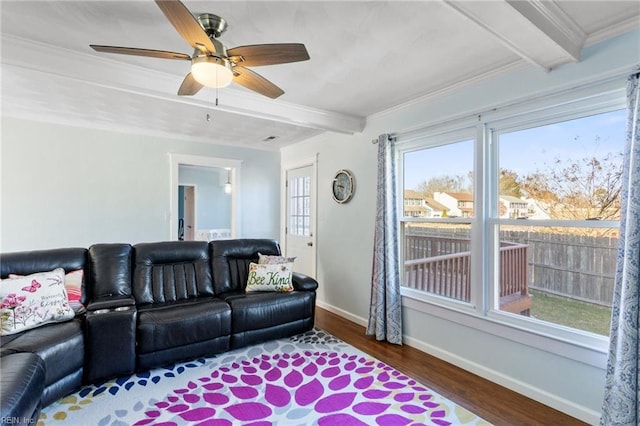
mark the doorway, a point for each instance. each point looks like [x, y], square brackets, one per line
[300, 218]
[232, 172]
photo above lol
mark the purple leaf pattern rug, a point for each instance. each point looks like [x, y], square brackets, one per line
[309, 379]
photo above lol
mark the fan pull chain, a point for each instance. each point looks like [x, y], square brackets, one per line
[208, 116]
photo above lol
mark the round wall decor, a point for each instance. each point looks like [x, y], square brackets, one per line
[343, 186]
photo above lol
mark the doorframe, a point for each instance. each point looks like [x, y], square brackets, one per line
[234, 166]
[194, 188]
[306, 162]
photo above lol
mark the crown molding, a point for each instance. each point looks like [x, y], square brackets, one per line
[622, 26]
[452, 87]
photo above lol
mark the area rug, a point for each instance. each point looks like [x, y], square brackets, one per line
[310, 379]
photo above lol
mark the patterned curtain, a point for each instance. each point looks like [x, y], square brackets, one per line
[621, 404]
[385, 310]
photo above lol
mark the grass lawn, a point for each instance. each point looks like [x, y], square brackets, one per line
[572, 313]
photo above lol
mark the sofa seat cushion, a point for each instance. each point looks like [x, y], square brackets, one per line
[254, 311]
[168, 325]
[60, 345]
[21, 385]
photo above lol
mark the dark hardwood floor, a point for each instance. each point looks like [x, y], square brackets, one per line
[492, 402]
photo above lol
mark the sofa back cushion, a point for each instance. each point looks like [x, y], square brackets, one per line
[170, 271]
[109, 271]
[230, 261]
[31, 262]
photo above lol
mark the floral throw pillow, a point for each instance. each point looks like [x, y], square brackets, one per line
[73, 284]
[264, 259]
[34, 300]
[270, 277]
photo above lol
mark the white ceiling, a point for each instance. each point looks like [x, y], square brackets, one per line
[366, 57]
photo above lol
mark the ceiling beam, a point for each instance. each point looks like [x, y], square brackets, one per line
[110, 73]
[537, 31]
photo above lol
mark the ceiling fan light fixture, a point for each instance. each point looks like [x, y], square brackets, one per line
[212, 64]
[211, 71]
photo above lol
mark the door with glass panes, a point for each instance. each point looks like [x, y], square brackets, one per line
[300, 221]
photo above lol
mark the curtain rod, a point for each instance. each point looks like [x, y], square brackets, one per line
[390, 137]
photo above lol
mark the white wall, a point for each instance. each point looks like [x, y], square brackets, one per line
[64, 186]
[345, 233]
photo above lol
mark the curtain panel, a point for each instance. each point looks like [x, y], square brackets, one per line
[621, 405]
[385, 309]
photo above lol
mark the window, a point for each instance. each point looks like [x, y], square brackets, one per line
[567, 174]
[299, 199]
[438, 206]
[513, 216]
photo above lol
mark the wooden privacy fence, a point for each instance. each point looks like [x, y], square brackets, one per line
[575, 266]
[442, 266]
[581, 267]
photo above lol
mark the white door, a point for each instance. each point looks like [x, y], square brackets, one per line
[300, 226]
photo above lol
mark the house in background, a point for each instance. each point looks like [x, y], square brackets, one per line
[414, 205]
[88, 140]
[513, 207]
[436, 209]
[458, 204]
[537, 210]
[417, 205]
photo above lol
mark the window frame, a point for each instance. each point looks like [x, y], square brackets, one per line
[438, 138]
[483, 311]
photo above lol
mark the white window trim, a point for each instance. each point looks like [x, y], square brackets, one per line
[481, 314]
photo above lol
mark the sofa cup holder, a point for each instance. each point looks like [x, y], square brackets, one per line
[106, 311]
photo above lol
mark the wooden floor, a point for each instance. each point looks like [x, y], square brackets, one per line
[492, 402]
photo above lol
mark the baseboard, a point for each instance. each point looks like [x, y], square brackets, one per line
[580, 412]
[561, 404]
[344, 314]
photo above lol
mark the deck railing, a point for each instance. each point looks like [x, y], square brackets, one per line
[514, 268]
[442, 266]
[448, 275]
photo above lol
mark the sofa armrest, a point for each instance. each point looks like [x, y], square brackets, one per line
[21, 386]
[105, 330]
[110, 302]
[304, 282]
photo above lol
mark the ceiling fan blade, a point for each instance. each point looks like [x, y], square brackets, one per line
[189, 86]
[140, 52]
[253, 81]
[186, 25]
[269, 54]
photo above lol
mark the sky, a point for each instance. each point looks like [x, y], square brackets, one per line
[525, 151]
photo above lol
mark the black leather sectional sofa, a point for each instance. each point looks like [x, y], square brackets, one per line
[147, 305]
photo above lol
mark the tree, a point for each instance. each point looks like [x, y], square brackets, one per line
[536, 185]
[587, 188]
[509, 183]
[443, 184]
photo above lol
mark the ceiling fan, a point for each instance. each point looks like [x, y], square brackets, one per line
[212, 64]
